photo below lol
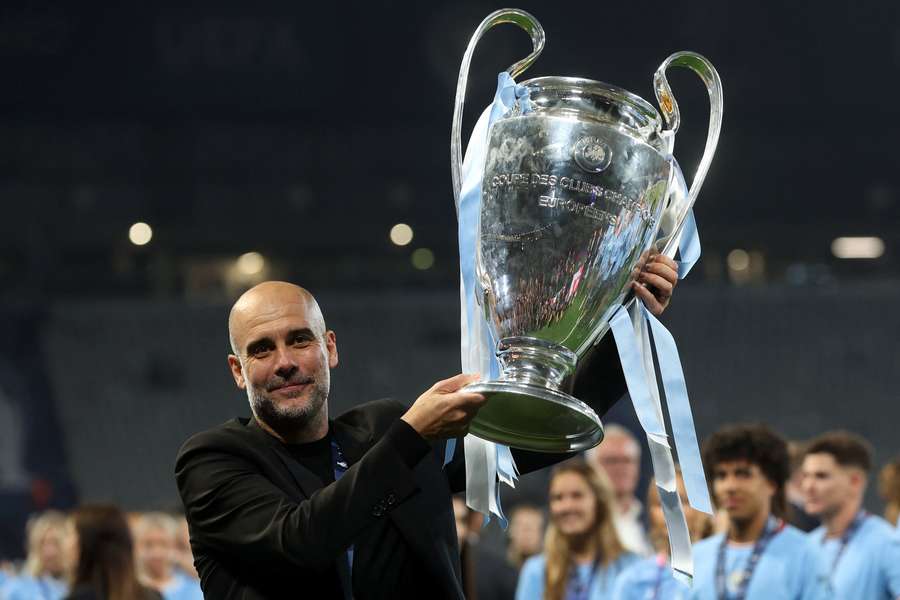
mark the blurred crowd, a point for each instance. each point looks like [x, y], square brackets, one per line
[789, 516]
[100, 552]
[789, 523]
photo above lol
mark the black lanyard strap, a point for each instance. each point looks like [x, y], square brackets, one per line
[845, 539]
[773, 527]
[583, 593]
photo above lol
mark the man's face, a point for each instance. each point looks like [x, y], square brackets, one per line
[155, 552]
[742, 490]
[461, 516]
[826, 485]
[526, 531]
[285, 361]
[572, 504]
[620, 458]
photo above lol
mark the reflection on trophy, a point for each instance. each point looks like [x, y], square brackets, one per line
[578, 184]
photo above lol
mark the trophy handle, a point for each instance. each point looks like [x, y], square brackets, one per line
[702, 67]
[505, 15]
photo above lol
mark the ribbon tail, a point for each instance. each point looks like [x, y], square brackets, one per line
[635, 376]
[632, 336]
[680, 415]
[485, 461]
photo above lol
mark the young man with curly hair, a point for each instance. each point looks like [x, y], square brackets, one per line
[759, 557]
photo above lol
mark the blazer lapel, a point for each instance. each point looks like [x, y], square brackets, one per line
[306, 480]
[354, 442]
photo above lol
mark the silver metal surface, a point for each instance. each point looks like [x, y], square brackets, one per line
[577, 181]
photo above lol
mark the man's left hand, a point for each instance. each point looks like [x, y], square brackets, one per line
[654, 282]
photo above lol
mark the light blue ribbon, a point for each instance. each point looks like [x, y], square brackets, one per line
[449, 450]
[633, 368]
[500, 462]
[677, 401]
[680, 414]
[688, 245]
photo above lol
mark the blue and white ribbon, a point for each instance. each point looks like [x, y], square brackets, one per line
[485, 461]
[631, 327]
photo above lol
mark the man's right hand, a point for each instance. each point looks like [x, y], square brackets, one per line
[444, 411]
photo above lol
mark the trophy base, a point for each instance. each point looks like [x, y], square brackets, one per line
[531, 417]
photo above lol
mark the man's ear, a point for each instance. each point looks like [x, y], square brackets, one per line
[237, 371]
[858, 480]
[331, 346]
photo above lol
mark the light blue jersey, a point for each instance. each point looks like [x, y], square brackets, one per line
[182, 587]
[787, 569]
[869, 566]
[650, 579]
[531, 579]
[26, 587]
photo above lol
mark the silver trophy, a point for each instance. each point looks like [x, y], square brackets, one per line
[579, 187]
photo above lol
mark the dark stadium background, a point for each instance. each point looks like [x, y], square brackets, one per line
[304, 132]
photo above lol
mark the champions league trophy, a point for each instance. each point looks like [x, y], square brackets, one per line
[578, 185]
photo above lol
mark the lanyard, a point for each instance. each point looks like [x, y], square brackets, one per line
[845, 539]
[581, 590]
[338, 460]
[773, 527]
[340, 467]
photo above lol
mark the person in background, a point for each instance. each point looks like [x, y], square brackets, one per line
[155, 536]
[760, 557]
[583, 554]
[860, 553]
[619, 457]
[889, 488]
[101, 556]
[184, 557]
[796, 515]
[526, 534]
[652, 578]
[43, 576]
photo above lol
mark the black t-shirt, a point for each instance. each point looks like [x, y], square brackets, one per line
[380, 552]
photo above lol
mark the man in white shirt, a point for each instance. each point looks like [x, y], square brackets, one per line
[619, 457]
[859, 552]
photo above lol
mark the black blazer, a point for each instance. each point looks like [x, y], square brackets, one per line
[263, 527]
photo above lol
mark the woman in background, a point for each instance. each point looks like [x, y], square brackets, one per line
[42, 577]
[101, 556]
[582, 555]
[652, 578]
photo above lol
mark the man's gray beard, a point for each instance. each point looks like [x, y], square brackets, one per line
[290, 420]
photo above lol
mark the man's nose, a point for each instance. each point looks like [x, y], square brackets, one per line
[286, 364]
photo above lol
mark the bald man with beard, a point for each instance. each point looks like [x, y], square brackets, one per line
[291, 503]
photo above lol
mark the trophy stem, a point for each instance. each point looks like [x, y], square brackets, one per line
[533, 361]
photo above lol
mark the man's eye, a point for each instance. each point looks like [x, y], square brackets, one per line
[261, 353]
[302, 342]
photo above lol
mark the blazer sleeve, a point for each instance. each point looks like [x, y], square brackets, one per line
[237, 512]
